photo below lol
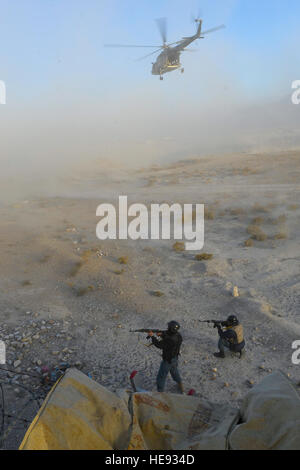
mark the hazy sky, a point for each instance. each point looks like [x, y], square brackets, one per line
[68, 96]
[49, 46]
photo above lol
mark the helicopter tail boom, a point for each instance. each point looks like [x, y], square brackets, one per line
[199, 29]
[196, 36]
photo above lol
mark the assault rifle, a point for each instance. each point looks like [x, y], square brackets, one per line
[147, 330]
[215, 322]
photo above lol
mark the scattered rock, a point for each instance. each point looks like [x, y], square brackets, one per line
[235, 292]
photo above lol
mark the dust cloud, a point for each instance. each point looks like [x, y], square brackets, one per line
[43, 143]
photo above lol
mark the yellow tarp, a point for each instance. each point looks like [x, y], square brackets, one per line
[81, 414]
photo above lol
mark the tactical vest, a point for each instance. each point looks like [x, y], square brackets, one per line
[239, 331]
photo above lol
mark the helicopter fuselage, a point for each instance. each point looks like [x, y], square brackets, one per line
[169, 59]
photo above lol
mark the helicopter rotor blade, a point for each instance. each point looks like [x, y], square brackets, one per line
[222, 26]
[148, 55]
[173, 43]
[162, 26]
[129, 45]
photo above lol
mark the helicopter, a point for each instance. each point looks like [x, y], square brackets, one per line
[169, 59]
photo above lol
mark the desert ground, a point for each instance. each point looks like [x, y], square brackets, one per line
[65, 296]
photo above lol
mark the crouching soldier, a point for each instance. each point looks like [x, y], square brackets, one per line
[231, 335]
[170, 344]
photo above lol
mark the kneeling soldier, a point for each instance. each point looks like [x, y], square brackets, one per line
[231, 337]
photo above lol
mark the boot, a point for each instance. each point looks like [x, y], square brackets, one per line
[181, 389]
[242, 353]
[219, 355]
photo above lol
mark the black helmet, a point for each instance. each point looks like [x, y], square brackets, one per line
[173, 326]
[232, 320]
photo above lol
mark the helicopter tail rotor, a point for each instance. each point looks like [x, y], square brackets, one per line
[196, 18]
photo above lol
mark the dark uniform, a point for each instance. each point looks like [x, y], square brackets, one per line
[170, 344]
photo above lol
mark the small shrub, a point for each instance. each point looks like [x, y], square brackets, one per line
[248, 171]
[87, 253]
[81, 291]
[256, 232]
[123, 260]
[279, 221]
[209, 214]
[259, 208]
[204, 257]
[44, 259]
[158, 293]
[258, 221]
[280, 236]
[77, 266]
[119, 271]
[249, 243]
[179, 246]
[253, 229]
[26, 283]
[260, 237]
[150, 182]
[237, 211]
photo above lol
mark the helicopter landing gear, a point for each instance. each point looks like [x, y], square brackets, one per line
[182, 70]
[161, 77]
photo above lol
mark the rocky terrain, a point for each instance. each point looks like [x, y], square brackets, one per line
[66, 297]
